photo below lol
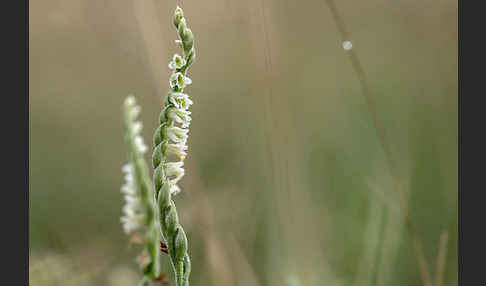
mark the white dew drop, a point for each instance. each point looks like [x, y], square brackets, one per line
[347, 45]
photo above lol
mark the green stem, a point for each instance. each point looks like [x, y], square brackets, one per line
[169, 222]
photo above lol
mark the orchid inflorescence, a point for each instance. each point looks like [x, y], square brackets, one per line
[139, 218]
[170, 140]
[150, 211]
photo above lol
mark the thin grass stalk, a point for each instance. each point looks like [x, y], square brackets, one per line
[441, 259]
[380, 128]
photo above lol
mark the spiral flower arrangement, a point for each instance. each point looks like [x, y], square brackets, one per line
[170, 142]
[149, 213]
[139, 218]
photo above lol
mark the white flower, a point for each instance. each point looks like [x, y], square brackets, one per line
[173, 80]
[132, 221]
[174, 190]
[139, 145]
[133, 109]
[134, 112]
[174, 101]
[129, 186]
[130, 100]
[179, 80]
[180, 116]
[129, 171]
[187, 81]
[176, 179]
[183, 99]
[133, 210]
[137, 127]
[177, 62]
[177, 149]
[180, 100]
[174, 169]
[128, 189]
[177, 134]
[127, 168]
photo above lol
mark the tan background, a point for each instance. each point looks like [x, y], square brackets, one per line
[286, 181]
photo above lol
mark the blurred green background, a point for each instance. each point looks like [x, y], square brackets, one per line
[286, 181]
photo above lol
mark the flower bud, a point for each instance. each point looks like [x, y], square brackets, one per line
[157, 156]
[188, 40]
[171, 220]
[178, 15]
[158, 135]
[180, 244]
[159, 177]
[164, 196]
